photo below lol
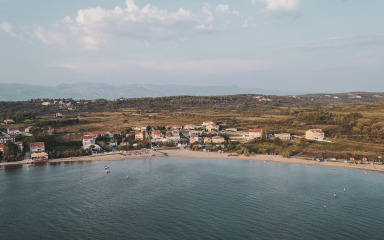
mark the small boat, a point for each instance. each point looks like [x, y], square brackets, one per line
[365, 172]
[107, 171]
[126, 177]
[334, 195]
[344, 190]
[106, 167]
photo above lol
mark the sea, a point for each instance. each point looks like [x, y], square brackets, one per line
[183, 198]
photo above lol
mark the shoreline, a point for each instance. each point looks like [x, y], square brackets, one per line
[197, 154]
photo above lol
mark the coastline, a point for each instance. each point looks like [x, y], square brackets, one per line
[215, 155]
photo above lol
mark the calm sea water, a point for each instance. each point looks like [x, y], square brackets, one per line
[177, 198]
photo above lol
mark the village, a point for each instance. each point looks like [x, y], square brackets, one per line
[209, 136]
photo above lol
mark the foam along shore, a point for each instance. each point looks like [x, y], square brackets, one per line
[198, 154]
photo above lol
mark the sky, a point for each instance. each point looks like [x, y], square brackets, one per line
[287, 45]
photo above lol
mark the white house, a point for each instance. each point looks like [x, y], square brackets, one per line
[9, 121]
[13, 131]
[213, 127]
[315, 134]
[206, 123]
[207, 140]
[283, 136]
[156, 134]
[37, 147]
[194, 139]
[141, 135]
[255, 133]
[190, 127]
[218, 139]
[89, 140]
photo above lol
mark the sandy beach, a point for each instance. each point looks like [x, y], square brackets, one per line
[199, 154]
[274, 158]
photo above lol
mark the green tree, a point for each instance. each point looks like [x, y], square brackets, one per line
[11, 152]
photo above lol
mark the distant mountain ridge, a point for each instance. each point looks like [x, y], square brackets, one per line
[20, 92]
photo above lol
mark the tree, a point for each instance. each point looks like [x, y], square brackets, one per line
[11, 152]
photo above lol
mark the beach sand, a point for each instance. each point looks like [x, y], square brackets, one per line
[199, 154]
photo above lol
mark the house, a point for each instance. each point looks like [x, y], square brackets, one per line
[195, 132]
[207, 123]
[174, 133]
[29, 129]
[89, 140]
[218, 139]
[9, 121]
[39, 156]
[190, 127]
[37, 147]
[207, 140]
[156, 134]
[255, 133]
[141, 135]
[58, 115]
[45, 103]
[6, 139]
[315, 134]
[283, 136]
[194, 139]
[210, 128]
[13, 131]
[123, 144]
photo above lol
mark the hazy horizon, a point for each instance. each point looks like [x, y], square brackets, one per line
[304, 46]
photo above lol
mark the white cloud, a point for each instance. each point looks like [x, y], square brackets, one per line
[206, 10]
[279, 5]
[221, 8]
[7, 27]
[94, 27]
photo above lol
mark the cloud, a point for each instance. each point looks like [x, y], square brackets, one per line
[221, 8]
[92, 28]
[7, 27]
[279, 5]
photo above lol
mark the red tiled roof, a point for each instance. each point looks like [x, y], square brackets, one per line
[87, 137]
[156, 132]
[138, 133]
[218, 137]
[35, 144]
[316, 130]
[2, 146]
[98, 133]
[256, 130]
[13, 129]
